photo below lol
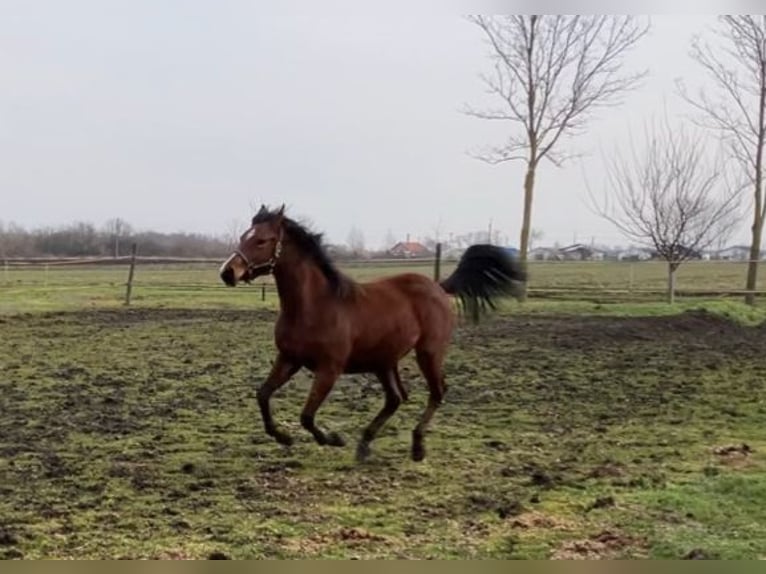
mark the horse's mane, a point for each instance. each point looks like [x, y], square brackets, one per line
[310, 244]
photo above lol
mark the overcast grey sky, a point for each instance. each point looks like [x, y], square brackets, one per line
[178, 115]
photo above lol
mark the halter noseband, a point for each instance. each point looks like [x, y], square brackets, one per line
[270, 264]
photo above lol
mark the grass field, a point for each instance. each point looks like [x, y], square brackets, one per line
[571, 430]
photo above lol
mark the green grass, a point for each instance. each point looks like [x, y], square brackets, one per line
[588, 432]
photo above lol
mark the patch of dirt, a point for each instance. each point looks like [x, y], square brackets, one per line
[733, 450]
[605, 545]
[8, 538]
[534, 519]
[601, 502]
[510, 508]
[607, 470]
[586, 332]
[349, 537]
[581, 550]
[173, 555]
[736, 456]
[500, 504]
[357, 535]
[123, 317]
[700, 554]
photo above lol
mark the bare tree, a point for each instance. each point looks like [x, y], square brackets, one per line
[390, 240]
[234, 229]
[737, 109]
[550, 74]
[535, 236]
[671, 196]
[356, 241]
[117, 228]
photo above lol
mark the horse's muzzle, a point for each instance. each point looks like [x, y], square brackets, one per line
[227, 276]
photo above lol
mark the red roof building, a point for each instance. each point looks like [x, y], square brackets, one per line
[409, 249]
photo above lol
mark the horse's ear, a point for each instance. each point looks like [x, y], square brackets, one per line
[263, 209]
[281, 214]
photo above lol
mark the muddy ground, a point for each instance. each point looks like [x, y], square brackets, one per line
[135, 434]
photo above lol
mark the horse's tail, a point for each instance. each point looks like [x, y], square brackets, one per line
[483, 274]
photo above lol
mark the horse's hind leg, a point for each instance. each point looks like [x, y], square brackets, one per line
[400, 386]
[391, 387]
[279, 375]
[430, 364]
[323, 384]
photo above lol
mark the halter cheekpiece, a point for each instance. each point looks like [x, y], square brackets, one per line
[270, 264]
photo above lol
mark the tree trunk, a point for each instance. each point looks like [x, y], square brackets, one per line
[672, 267]
[757, 229]
[755, 245]
[755, 255]
[529, 187]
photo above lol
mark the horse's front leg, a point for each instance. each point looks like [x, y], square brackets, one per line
[324, 380]
[279, 375]
[392, 387]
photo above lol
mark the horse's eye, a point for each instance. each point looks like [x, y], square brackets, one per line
[261, 242]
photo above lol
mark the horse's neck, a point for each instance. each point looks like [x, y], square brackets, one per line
[300, 285]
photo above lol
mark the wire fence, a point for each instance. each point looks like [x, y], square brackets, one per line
[572, 280]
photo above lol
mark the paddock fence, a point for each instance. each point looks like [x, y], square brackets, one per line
[155, 277]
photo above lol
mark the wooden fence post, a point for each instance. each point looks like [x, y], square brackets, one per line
[438, 262]
[5, 272]
[129, 286]
[263, 291]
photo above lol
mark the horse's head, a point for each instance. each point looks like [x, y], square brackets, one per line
[259, 248]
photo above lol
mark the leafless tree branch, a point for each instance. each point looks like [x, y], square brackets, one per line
[736, 108]
[550, 73]
[671, 195]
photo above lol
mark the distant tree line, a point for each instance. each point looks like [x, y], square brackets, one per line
[81, 239]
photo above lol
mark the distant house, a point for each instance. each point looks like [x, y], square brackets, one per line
[544, 254]
[634, 254]
[581, 252]
[690, 253]
[733, 253]
[408, 249]
[682, 252]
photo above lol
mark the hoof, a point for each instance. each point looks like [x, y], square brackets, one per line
[362, 451]
[283, 438]
[334, 439]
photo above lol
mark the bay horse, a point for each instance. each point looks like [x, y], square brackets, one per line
[331, 324]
